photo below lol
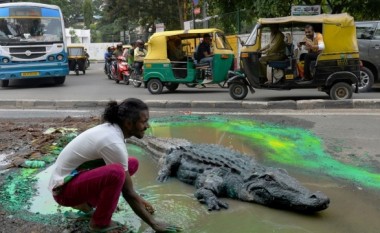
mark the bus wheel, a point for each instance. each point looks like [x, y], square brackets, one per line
[155, 86]
[4, 83]
[238, 91]
[341, 91]
[59, 80]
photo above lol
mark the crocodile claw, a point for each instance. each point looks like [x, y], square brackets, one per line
[215, 204]
[162, 178]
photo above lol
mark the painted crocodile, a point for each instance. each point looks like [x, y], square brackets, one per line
[220, 172]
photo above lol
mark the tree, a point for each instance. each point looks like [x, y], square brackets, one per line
[87, 13]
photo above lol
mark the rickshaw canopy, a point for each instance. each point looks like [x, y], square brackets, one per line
[157, 43]
[339, 31]
[76, 51]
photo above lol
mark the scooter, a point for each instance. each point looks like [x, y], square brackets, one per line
[122, 72]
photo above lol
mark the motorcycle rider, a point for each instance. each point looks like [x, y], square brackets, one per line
[107, 59]
[139, 54]
[118, 52]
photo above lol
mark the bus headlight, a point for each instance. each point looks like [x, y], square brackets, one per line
[5, 60]
[51, 58]
[60, 57]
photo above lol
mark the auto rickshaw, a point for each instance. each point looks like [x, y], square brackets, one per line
[77, 58]
[162, 70]
[336, 70]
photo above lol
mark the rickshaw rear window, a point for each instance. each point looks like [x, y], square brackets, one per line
[221, 42]
[75, 51]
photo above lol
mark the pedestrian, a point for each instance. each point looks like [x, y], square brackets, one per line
[94, 169]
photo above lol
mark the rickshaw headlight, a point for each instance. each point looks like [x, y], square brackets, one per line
[60, 57]
[51, 58]
[5, 60]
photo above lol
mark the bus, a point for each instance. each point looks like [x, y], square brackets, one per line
[32, 43]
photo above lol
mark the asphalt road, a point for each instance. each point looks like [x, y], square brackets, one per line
[94, 85]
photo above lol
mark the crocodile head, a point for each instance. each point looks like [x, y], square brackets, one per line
[275, 188]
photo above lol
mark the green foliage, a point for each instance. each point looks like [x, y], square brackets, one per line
[87, 13]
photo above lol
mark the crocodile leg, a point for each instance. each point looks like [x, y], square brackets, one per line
[170, 166]
[210, 184]
[208, 197]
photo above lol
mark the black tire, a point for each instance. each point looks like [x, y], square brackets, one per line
[136, 83]
[77, 72]
[126, 79]
[172, 86]
[366, 79]
[238, 91]
[155, 86]
[341, 91]
[117, 80]
[4, 83]
[84, 71]
[191, 85]
[59, 80]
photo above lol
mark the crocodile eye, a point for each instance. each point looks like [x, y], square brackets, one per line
[267, 177]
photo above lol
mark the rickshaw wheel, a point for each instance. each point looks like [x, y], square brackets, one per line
[155, 86]
[238, 91]
[341, 91]
[191, 85]
[172, 86]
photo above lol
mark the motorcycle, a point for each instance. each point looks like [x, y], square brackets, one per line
[107, 68]
[120, 70]
[137, 75]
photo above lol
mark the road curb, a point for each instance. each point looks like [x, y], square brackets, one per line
[196, 104]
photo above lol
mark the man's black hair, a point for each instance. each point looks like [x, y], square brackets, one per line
[129, 109]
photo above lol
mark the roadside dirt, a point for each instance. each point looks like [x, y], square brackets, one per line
[23, 139]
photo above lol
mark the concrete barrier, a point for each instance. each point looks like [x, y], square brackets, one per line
[196, 104]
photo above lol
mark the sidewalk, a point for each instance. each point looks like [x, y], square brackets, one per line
[170, 104]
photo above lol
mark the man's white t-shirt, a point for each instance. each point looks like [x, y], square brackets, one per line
[105, 141]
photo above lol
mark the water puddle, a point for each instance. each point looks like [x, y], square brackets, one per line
[353, 191]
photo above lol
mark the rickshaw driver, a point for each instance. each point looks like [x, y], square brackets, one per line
[274, 51]
[314, 45]
[204, 54]
[139, 55]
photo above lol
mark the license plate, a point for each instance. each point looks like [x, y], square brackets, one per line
[29, 74]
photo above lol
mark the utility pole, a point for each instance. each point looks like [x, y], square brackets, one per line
[192, 13]
[204, 14]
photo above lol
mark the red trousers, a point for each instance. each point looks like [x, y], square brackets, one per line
[100, 188]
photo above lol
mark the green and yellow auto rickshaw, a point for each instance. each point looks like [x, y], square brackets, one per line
[170, 60]
[77, 58]
[336, 70]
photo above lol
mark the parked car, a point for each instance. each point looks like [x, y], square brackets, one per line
[368, 35]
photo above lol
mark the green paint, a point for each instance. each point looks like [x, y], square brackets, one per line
[286, 145]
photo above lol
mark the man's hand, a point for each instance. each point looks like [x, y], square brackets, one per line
[164, 227]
